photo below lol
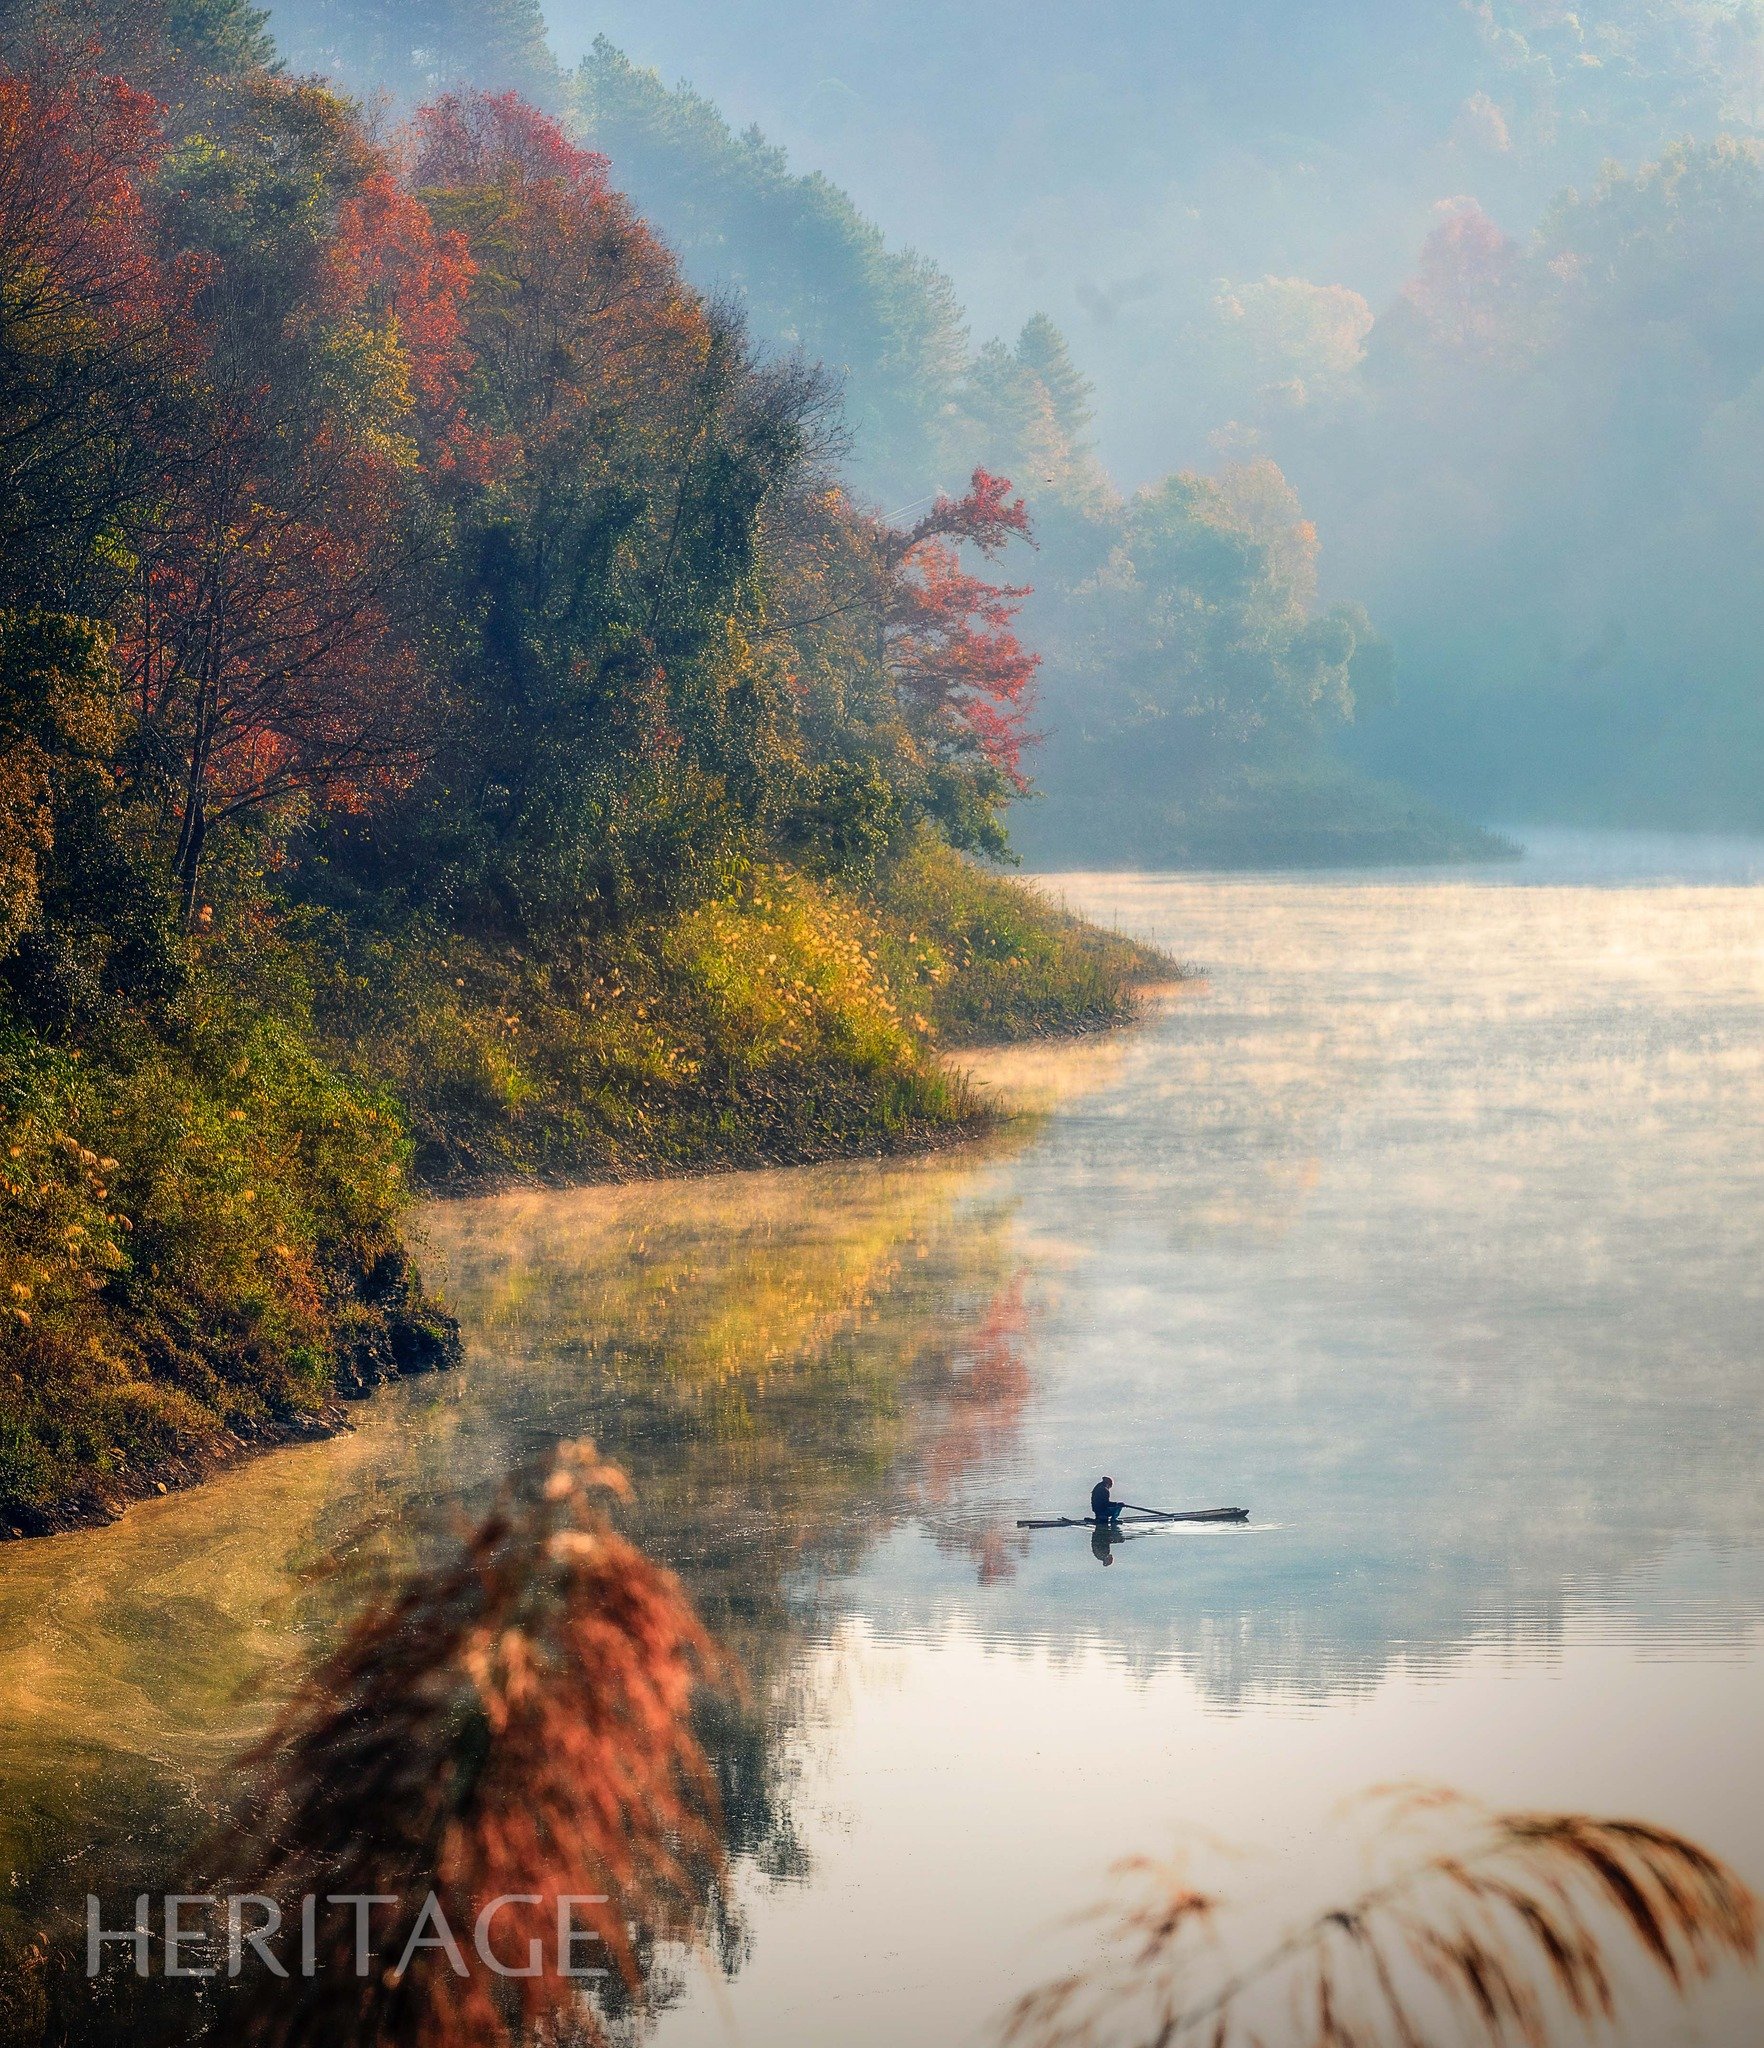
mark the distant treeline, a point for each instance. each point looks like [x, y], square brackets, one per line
[1545, 471]
[1529, 469]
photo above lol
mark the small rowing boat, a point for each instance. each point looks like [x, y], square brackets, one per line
[1133, 1515]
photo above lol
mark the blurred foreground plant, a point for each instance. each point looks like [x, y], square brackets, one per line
[1527, 1921]
[515, 1725]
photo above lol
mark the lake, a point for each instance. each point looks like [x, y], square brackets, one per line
[1426, 1226]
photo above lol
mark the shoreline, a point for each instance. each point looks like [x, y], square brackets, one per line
[924, 1141]
[185, 1470]
[415, 1349]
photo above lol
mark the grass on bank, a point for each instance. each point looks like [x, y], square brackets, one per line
[201, 1230]
[986, 959]
[754, 1030]
[785, 1022]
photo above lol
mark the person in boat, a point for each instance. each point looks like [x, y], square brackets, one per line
[1106, 1511]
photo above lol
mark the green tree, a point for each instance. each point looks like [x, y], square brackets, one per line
[812, 273]
[1042, 351]
[413, 49]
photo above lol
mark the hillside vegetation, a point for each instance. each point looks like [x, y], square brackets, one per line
[1198, 699]
[455, 724]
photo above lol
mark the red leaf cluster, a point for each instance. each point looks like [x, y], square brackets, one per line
[91, 313]
[74, 234]
[579, 311]
[1467, 274]
[952, 644]
[986, 515]
[478, 138]
[387, 255]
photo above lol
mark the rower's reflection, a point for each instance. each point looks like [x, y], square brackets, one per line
[1101, 1546]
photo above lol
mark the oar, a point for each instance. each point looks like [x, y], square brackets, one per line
[1190, 1514]
[1071, 1521]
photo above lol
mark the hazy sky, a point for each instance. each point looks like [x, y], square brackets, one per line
[1113, 163]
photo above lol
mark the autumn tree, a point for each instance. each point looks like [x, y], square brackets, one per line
[963, 674]
[912, 688]
[92, 320]
[95, 329]
[615, 735]
[270, 651]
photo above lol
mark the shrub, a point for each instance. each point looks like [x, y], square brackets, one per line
[198, 1238]
[980, 957]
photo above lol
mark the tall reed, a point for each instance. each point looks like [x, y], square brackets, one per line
[1523, 1922]
[516, 1721]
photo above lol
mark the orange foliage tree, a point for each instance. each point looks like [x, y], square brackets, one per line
[951, 643]
[907, 665]
[91, 315]
[271, 652]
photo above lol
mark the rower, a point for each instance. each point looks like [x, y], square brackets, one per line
[1106, 1511]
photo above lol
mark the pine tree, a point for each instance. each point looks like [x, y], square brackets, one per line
[1042, 351]
[414, 49]
[1013, 419]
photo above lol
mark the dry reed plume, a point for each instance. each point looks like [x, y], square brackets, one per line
[1529, 1922]
[514, 1722]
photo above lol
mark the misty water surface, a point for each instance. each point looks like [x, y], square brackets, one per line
[1426, 1227]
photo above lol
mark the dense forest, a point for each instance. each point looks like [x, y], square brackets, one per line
[456, 723]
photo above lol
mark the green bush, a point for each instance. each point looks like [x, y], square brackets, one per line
[198, 1241]
[979, 957]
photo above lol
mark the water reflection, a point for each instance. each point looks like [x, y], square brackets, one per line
[788, 1365]
[1427, 1228]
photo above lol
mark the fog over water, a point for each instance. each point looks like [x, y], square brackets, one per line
[1425, 1227]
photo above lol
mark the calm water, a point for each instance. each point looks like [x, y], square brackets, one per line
[1428, 1228]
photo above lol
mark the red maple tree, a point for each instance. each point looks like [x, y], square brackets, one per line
[271, 652]
[579, 310]
[952, 645]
